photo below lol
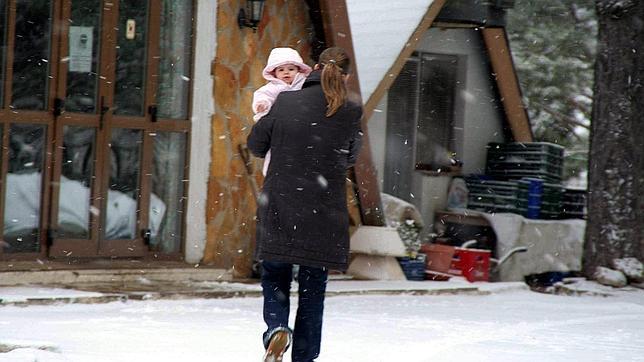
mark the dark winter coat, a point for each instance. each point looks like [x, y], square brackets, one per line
[302, 209]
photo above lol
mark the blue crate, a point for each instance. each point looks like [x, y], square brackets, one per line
[414, 269]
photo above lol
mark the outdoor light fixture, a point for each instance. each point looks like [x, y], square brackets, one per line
[252, 15]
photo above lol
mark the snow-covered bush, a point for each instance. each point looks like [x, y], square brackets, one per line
[409, 232]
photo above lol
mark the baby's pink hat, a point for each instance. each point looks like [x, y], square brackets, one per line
[281, 56]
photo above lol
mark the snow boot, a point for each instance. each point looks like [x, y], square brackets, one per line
[277, 345]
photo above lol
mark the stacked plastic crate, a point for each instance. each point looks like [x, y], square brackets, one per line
[539, 200]
[489, 195]
[516, 160]
[537, 168]
[574, 204]
[524, 178]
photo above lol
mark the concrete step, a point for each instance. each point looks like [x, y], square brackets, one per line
[153, 290]
[97, 276]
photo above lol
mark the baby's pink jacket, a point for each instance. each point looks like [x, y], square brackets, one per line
[267, 93]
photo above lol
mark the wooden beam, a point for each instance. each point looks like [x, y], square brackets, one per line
[498, 50]
[390, 76]
[337, 32]
[454, 25]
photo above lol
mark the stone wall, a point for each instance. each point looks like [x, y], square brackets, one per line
[241, 56]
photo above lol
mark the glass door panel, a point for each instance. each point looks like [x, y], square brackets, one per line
[31, 54]
[79, 83]
[168, 201]
[83, 56]
[128, 151]
[75, 194]
[123, 193]
[77, 171]
[131, 58]
[23, 190]
[175, 50]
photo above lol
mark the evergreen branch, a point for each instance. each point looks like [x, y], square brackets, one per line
[588, 53]
[565, 121]
[584, 108]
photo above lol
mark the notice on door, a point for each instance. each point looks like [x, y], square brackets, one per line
[80, 48]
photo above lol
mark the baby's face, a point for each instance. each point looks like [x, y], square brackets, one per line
[286, 72]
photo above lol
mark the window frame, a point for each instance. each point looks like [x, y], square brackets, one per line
[452, 142]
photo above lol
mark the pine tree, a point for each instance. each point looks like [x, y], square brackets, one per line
[553, 44]
[616, 168]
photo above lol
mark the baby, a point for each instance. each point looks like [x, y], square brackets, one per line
[285, 71]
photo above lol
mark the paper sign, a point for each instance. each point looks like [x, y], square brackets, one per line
[130, 29]
[80, 48]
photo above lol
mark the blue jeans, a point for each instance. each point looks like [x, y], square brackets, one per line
[276, 285]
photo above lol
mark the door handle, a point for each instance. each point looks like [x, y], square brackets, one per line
[146, 234]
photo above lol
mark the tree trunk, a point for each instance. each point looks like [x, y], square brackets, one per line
[616, 166]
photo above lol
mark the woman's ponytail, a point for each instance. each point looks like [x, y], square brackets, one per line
[335, 64]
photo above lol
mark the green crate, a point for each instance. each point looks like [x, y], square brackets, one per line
[527, 147]
[498, 200]
[524, 157]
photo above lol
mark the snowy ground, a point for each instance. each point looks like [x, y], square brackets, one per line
[506, 326]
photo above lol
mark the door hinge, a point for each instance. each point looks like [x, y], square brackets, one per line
[152, 110]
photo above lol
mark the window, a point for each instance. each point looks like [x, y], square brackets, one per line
[437, 84]
[402, 109]
[421, 119]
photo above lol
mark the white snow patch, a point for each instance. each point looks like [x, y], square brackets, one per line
[22, 294]
[584, 286]
[14, 344]
[610, 277]
[631, 267]
[31, 355]
[511, 326]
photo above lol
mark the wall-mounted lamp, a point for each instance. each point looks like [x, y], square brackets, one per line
[252, 15]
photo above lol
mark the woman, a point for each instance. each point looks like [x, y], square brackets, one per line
[314, 136]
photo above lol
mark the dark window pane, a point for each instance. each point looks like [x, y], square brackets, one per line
[402, 107]
[23, 194]
[76, 182]
[129, 94]
[3, 47]
[436, 110]
[167, 201]
[175, 45]
[84, 46]
[123, 193]
[31, 54]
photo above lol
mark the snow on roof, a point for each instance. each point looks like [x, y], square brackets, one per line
[380, 30]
